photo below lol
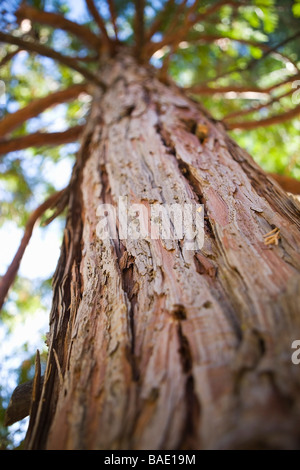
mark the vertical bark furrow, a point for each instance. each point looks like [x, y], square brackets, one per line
[197, 191]
[190, 437]
[130, 287]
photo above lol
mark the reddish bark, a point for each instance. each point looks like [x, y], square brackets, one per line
[160, 347]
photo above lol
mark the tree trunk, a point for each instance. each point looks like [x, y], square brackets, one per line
[152, 345]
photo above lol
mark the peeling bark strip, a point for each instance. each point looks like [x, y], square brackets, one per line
[154, 346]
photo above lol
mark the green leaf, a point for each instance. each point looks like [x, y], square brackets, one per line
[296, 10]
[256, 52]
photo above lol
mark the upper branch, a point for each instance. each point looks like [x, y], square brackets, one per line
[175, 35]
[100, 22]
[268, 50]
[248, 125]
[9, 56]
[198, 38]
[206, 90]
[39, 139]
[9, 276]
[113, 17]
[35, 107]
[273, 49]
[160, 17]
[170, 35]
[58, 21]
[48, 52]
[139, 27]
[244, 112]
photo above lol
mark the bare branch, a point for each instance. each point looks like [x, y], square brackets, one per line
[12, 270]
[244, 112]
[273, 49]
[174, 37]
[139, 27]
[213, 9]
[206, 90]
[286, 116]
[250, 42]
[100, 22]
[87, 58]
[163, 72]
[174, 27]
[160, 17]
[40, 139]
[20, 403]
[268, 50]
[58, 21]
[9, 56]
[113, 16]
[35, 107]
[46, 51]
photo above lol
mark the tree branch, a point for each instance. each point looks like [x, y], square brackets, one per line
[87, 58]
[244, 112]
[113, 16]
[100, 22]
[248, 125]
[40, 139]
[9, 56]
[46, 51]
[250, 42]
[273, 49]
[174, 29]
[12, 270]
[11, 121]
[139, 27]
[174, 37]
[58, 21]
[206, 90]
[157, 23]
[214, 8]
[268, 50]
[163, 71]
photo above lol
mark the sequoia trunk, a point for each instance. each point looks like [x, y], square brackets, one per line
[153, 345]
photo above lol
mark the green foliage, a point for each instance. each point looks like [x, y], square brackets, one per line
[28, 304]
[296, 9]
[266, 22]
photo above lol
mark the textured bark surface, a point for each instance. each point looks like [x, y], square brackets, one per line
[154, 346]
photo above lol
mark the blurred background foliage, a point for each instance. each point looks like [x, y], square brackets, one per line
[228, 56]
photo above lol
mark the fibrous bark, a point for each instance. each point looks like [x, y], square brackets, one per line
[154, 346]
